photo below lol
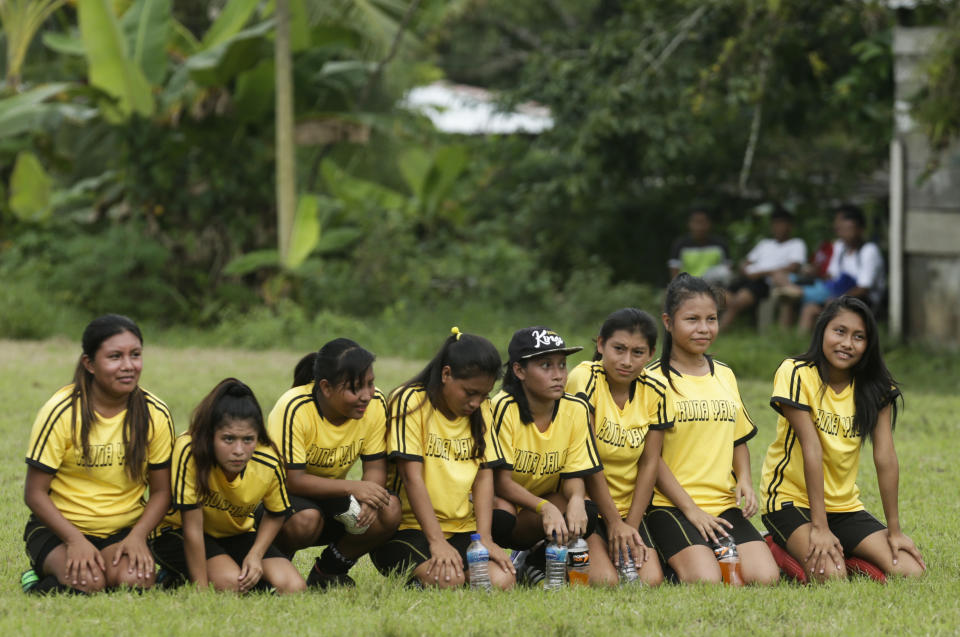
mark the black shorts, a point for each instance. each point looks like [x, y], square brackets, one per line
[333, 529]
[759, 288]
[850, 528]
[644, 534]
[167, 549]
[672, 532]
[41, 541]
[409, 548]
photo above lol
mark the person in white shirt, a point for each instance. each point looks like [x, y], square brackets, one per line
[856, 269]
[767, 265]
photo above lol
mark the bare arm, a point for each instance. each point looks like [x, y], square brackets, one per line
[194, 549]
[483, 510]
[646, 476]
[444, 559]
[825, 548]
[746, 496]
[134, 546]
[573, 491]
[888, 478]
[369, 492]
[252, 568]
[84, 562]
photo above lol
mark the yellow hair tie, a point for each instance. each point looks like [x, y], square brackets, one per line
[456, 332]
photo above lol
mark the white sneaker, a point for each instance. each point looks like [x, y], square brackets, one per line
[349, 518]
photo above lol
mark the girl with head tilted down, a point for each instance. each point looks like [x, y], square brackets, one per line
[96, 447]
[334, 415]
[440, 441]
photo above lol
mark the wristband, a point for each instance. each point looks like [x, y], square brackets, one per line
[540, 506]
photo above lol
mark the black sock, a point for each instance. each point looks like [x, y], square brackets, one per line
[538, 557]
[501, 527]
[333, 562]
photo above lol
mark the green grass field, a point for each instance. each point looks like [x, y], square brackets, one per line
[927, 442]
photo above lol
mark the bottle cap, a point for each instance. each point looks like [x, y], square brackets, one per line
[474, 537]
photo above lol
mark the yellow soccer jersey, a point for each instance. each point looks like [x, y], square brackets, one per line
[798, 384]
[538, 460]
[620, 433]
[445, 447]
[309, 441]
[228, 510]
[709, 419]
[98, 498]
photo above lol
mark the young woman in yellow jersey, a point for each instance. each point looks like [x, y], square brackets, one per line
[704, 473]
[333, 415]
[544, 434]
[94, 449]
[440, 440]
[630, 412]
[223, 468]
[831, 399]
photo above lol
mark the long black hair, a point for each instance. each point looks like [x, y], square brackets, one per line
[340, 361]
[683, 287]
[467, 356]
[873, 384]
[230, 400]
[136, 421]
[628, 319]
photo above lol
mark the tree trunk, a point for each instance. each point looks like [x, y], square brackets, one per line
[285, 151]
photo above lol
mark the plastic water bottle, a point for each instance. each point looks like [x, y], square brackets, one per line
[556, 566]
[578, 562]
[729, 559]
[478, 561]
[628, 569]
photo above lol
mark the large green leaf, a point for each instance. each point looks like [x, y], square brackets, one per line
[64, 43]
[305, 231]
[30, 188]
[218, 65]
[110, 68]
[29, 111]
[146, 26]
[449, 162]
[359, 193]
[229, 23]
[252, 261]
[254, 95]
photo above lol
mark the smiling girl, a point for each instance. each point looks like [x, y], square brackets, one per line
[831, 399]
[630, 413]
[703, 478]
[95, 448]
[440, 439]
[223, 468]
[333, 415]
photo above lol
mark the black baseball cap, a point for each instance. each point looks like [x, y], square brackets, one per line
[536, 341]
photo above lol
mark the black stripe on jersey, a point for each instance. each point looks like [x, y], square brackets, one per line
[793, 399]
[396, 455]
[48, 424]
[373, 456]
[591, 442]
[780, 469]
[286, 429]
[499, 411]
[270, 461]
[580, 474]
[660, 390]
[499, 463]
[42, 467]
[749, 435]
[180, 476]
[591, 387]
[402, 405]
[160, 465]
[160, 406]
